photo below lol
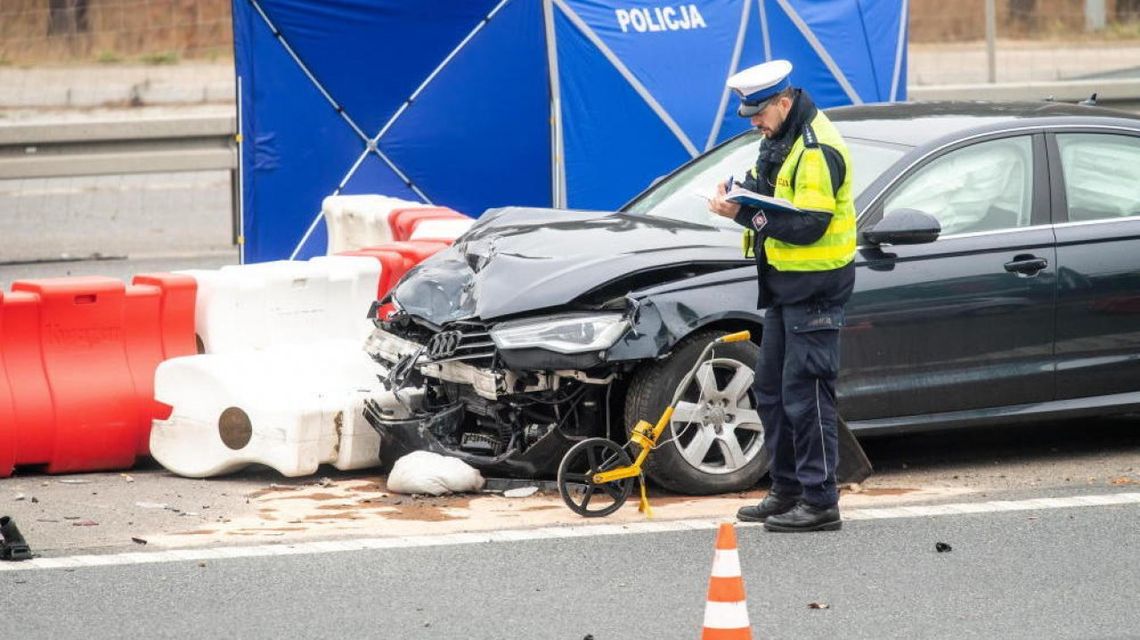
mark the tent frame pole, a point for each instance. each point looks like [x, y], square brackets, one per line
[732, 69]
[820, 51]
[557, 164]
[900, 50]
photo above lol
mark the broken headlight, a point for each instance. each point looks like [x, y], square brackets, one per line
[563, 334]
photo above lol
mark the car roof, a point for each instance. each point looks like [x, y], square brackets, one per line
[916, 123]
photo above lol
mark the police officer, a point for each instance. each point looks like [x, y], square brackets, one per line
[805, 264]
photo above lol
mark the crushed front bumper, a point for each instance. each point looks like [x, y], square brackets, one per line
[401, 436]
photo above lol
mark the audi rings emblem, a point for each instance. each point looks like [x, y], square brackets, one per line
[444, 344]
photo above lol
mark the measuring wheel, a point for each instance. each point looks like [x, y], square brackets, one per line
[576, 478]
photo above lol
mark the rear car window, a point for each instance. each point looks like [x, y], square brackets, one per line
[1102, 175]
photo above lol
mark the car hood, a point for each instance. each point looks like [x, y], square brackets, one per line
[515, 260]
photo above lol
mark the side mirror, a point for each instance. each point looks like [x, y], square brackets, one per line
[904, 226]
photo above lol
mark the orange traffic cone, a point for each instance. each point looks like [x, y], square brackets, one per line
[726, 613]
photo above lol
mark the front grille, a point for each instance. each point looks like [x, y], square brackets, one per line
[468, 341]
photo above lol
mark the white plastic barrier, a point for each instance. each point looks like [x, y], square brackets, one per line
[255, 306]
[355, 222]
[442, 228]
[289, 407]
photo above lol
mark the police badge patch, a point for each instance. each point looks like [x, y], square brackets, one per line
[759, 220]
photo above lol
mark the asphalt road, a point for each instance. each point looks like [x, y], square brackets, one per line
[114, 225]
[1060, 573]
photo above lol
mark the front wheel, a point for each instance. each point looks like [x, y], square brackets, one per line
[714, 442]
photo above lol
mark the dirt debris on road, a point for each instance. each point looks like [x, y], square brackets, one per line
[258, 505]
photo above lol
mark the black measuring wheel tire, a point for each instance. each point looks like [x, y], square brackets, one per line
[575, 478]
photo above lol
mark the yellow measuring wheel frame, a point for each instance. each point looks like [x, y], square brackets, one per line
[644, 435]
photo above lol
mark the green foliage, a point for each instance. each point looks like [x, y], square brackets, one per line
[108, 57]
[160, 57]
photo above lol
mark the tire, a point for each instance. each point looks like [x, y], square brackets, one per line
[721, 469]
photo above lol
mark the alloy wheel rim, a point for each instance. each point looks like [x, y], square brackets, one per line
[722, 433]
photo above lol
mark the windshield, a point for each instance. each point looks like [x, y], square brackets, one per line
[684, 195]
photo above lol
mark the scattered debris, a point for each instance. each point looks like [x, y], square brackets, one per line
[13, 547]
[324, 482]
[151, 505]
[85, 523]
[34, 500]
[138, 540]
[20, 496]
[942, 547]
[75, 481]
[1123, 480]
[70, 517]
[127, 477]
[201, 564]
[498, 485]
[853, 487]
[818, 605]
[46, 520]
[521, 492]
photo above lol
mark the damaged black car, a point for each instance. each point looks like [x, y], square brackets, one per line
[998, 265]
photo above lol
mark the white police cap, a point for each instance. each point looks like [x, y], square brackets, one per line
[757, 84]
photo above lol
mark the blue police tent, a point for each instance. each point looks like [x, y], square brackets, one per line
[475, 104]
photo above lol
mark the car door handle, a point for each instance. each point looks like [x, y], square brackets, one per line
[1026, 264]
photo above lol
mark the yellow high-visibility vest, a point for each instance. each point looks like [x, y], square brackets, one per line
[805, 180]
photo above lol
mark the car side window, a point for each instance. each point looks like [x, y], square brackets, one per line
[1102, 175]
[983, 187]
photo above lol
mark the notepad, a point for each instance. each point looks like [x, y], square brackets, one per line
[743, 196]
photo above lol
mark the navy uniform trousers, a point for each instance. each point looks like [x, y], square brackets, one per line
[795, 391]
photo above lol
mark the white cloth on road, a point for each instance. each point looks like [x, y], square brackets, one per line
[434, 474]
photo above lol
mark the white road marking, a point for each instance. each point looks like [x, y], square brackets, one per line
[545, 533]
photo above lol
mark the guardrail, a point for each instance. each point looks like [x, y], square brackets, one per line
[108, 147]
[118, 146]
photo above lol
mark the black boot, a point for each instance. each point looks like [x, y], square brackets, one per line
[12, 544]
[805, 517]
[772, 504]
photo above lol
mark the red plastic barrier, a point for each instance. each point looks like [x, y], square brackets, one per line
[393, 265]
[7, 411]
[395, 260]
[82, 337]
[177, 294]
[403, 221]
[34, 412]
[80, 355]
[416, 251]
[159, 325]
